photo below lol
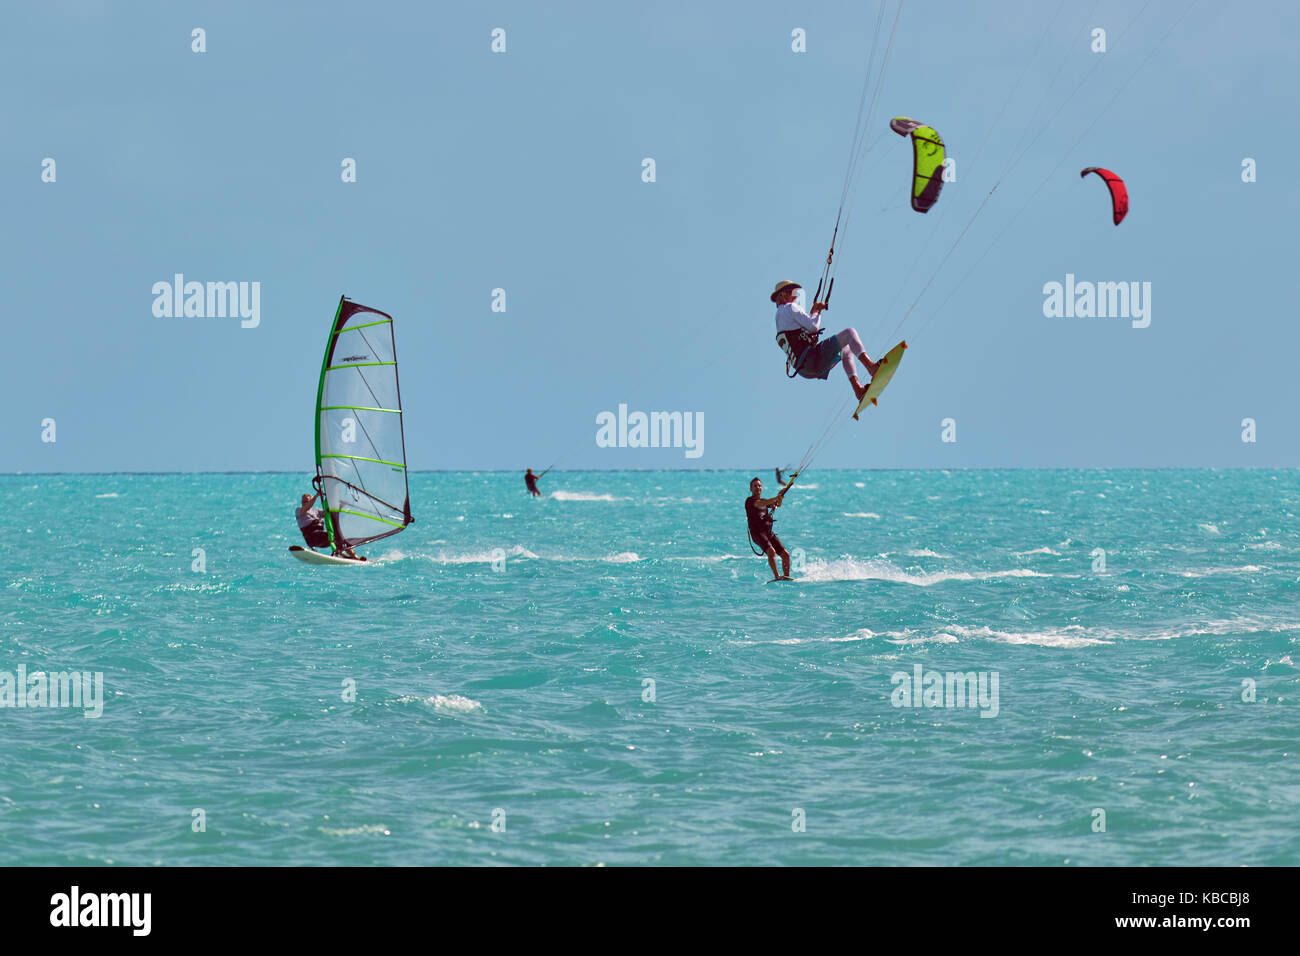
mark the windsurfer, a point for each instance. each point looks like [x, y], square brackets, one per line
[311, 522]
[758, 512]
[797, 333]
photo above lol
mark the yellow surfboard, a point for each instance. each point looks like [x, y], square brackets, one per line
[888, 366]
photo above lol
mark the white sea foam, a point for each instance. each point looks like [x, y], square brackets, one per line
[860, 514]
[111, 494]
[854, 569]
[1023, 554]
[468, 557]
[1076, 636]
[909, 637]
[1072, 635]
[582, 496]
[356, 831]
[453, 704]
[1209, 529]
[925, 553]
[1221, 627]
[710, 558]
[864, 634]
[1209, 572]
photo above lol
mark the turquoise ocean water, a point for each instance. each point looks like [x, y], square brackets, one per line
[603, 674]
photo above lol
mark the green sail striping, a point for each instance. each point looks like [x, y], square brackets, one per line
[358, 408]
[377, 461]
[364, 325]
[362, 514]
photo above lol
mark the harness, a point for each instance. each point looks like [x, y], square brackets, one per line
[768, 518]
[750, 534]
[796, 343]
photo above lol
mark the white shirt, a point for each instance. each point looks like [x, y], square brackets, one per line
[790, 317]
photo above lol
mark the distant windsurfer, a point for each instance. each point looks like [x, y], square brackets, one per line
[797, 333]
[311, 522]
[531, 481]
[758, 512]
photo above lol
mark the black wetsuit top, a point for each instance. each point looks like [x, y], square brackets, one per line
[531, 481]
[760, 519]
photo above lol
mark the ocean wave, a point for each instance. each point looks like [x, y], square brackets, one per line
[711, 558]
[853, 569]
[864, 634]
[453, 704]
[1221, 628]
[1076, 635]
[378, 828]
[466, 557]
[1070, 636]
[582, 496]
[1210, 572]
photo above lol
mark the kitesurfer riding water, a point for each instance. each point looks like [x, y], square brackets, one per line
[311, 522]
[758, 512]
[531, 481]
[797, 333]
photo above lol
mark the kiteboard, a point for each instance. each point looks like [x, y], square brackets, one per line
[315, 557]
[888, 366]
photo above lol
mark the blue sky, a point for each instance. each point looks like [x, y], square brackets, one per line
[522, 171]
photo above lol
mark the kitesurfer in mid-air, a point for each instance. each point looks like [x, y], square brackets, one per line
[311, 522]
[797, 333]
[531, 481]
[758, 512]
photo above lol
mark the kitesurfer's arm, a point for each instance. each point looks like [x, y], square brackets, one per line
[770, 502]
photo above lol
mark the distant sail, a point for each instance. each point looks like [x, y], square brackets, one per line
[360, 445]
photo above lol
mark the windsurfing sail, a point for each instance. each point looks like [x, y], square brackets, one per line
[360, 444]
